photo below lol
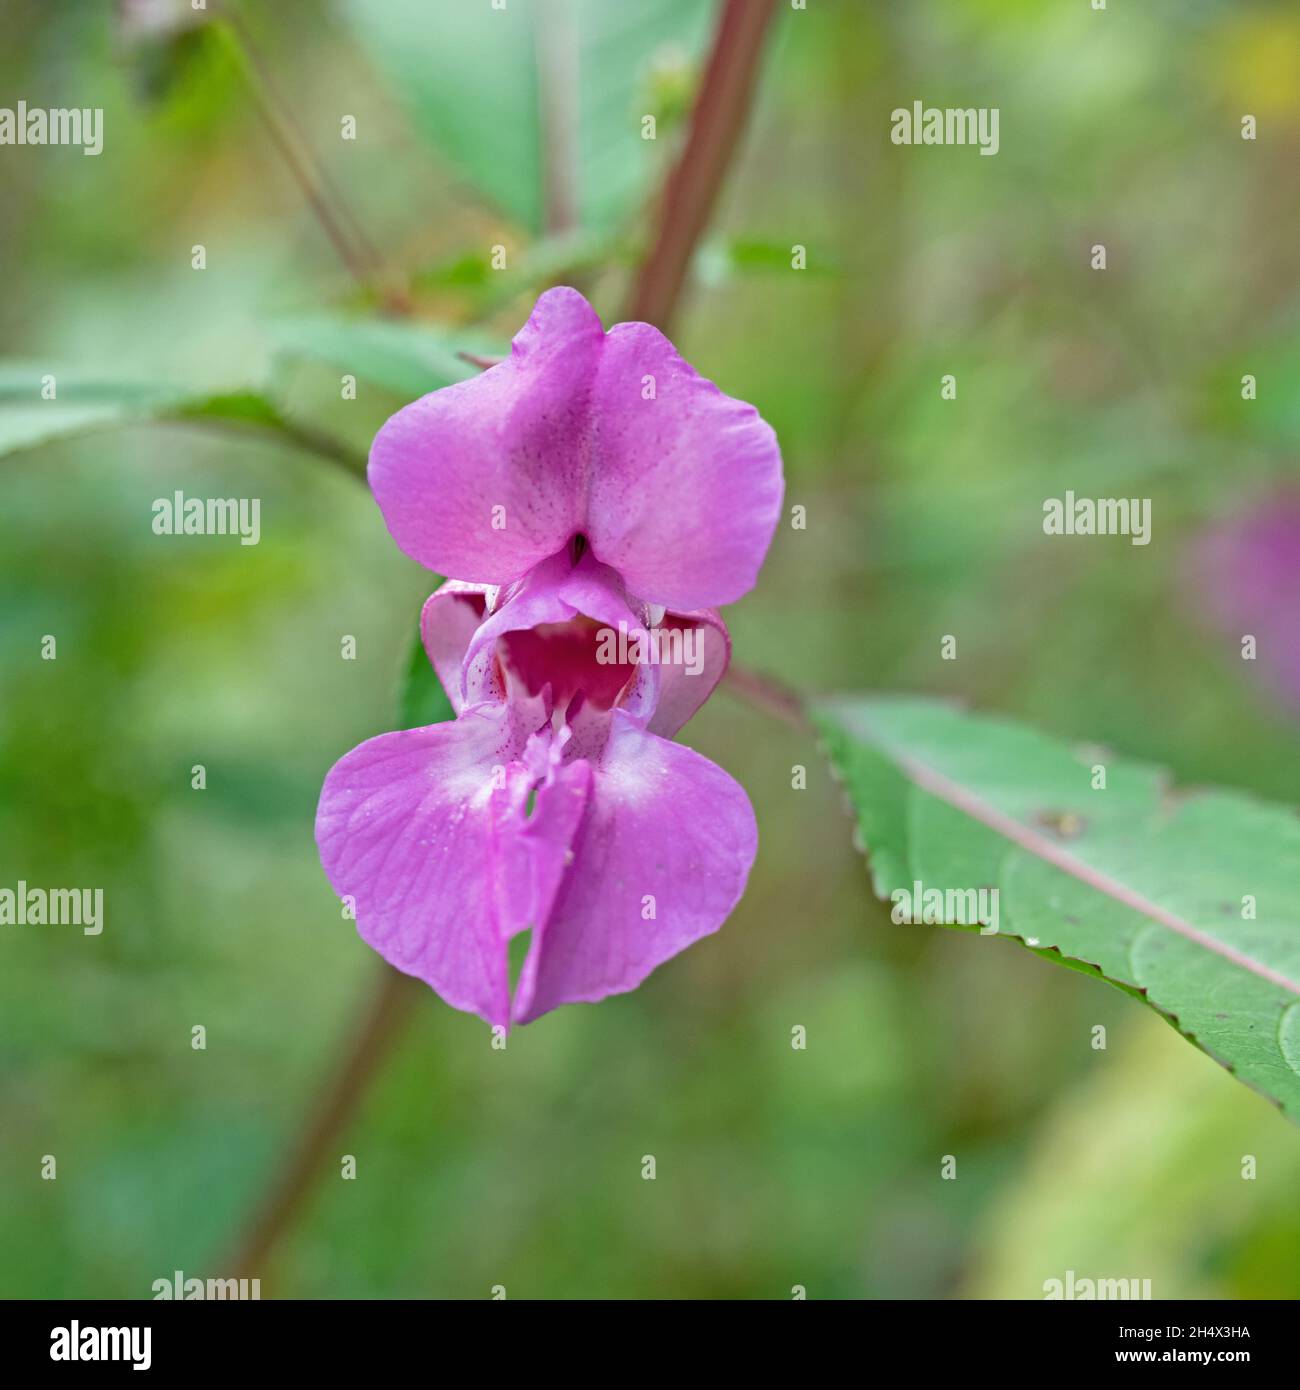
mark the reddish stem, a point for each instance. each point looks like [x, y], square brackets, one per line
[381, 1022]
[692, 188]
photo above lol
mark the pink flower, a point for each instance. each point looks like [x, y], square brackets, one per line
[600, 499]
[1246, 571]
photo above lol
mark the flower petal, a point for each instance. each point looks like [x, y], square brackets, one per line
[685, 685]
[685, 487]
[556, 591]
[415, 828]
[1246, 570]
[448, 621]
[613, 436]
[512, 439]
[665, 832]
[540, 855]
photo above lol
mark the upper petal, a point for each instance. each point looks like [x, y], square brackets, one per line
[614, 436]
[660, 859]
[686, 488]
[485, 478]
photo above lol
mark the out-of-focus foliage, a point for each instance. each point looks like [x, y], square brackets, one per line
[502, 92]
[776, 1166]
[403, 358]
[43, 403]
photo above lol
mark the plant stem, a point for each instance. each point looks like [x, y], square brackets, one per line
[692, 189]
[381, 1022]
[309, 441]
[771, 696]
[352, 246]
[482, 363]
[555, 48]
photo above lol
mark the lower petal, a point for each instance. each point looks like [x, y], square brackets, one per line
[660, 859]
[410, 826]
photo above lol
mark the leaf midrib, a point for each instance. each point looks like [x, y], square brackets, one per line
[1034, 842]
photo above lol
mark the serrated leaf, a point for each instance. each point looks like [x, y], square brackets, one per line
[1152, 891]
[469, 75]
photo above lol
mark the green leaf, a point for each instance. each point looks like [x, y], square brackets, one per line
[1191, 901]
[469, 75]
[82, 402]
[85, 403]
[721, 259]
[566, 258]
[421, 699]
[407, 359]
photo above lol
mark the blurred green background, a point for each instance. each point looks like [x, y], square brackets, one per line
[775, 1167]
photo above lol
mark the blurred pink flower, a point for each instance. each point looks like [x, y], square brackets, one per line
[590, 484]
[1250, 567]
